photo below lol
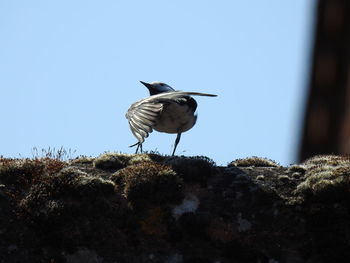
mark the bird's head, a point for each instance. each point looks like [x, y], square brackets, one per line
[157, 87]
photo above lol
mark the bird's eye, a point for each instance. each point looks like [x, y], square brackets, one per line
[162, 84]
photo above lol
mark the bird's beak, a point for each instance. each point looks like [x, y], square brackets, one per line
[149, 86]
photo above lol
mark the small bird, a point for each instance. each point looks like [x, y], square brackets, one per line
[166, 110]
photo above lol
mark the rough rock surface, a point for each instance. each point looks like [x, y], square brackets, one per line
[153, 208]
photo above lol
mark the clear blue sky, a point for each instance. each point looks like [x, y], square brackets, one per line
[70, 69]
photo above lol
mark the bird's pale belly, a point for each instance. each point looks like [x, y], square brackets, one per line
[175, 118]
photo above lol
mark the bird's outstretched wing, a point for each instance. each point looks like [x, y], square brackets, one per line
[173, 95]
[142, 115]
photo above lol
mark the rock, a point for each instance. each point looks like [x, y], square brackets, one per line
[153, 208]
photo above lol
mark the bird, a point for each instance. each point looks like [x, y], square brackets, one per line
[165, 110]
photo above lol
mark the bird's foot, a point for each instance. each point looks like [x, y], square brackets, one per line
[139, 145]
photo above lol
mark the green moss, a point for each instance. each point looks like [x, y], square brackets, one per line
[111, 161]
[156, 157]
[69, 184]
[331, 160]
[116, 161]
[254, 162]
[149, 183]
[297, 169]
[90, 187]
[327, 179]
[139, 158]
[68, 207]
[195, 169]
[19, 171]
[83, 160]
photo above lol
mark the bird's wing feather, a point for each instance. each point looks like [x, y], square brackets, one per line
[142, 117]
[172, 95]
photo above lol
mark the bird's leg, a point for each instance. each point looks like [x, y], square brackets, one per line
[176, 142]
[139, 145]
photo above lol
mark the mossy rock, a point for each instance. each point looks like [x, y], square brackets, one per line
[327, 179]
[149, 183]
[65, 209]
[116, 161]
[13, 171]
[83, 160]
[22, 171]
[195, 169]
[69, 184]
[254, 162]
[331, 160]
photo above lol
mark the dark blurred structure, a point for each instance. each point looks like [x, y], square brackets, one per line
[326, 127]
